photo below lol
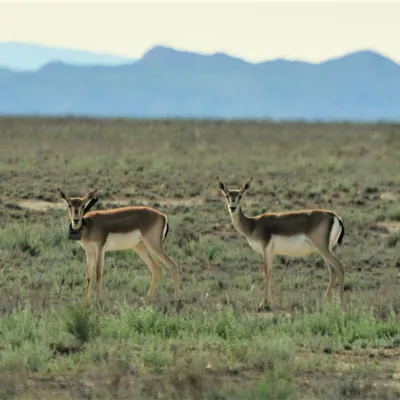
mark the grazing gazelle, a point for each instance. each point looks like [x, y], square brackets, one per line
[294, 233]
[142, 229]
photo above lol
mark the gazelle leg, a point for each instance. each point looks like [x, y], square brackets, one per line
[154, 268]
[157, 249]
[331, 260]
[100, 266]
[332, 281]
[90, 260]
[340, 274]
[267, 265]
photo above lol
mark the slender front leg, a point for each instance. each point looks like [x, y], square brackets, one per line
[90, 260]
[100, 265]
[267, 264]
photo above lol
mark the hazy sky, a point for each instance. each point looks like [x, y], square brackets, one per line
[254, 31]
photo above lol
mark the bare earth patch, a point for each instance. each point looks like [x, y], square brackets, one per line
[272, 314]
[391, 226]
[389, 196]
[40, 205]
[122, 201]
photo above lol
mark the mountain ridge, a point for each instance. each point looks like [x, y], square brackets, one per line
[24, 56]
[169, 83]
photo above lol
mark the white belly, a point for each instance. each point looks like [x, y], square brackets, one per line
[295, 246]
[256, 246]
[122, 241]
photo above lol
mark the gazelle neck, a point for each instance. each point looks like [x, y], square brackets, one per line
[243, 224]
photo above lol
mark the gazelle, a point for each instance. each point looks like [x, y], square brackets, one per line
[294, 233]
[142, 229]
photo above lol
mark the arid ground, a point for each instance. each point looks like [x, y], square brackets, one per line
[217, 346]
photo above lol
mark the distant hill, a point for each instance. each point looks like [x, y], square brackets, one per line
[363, 86]
[26, 56]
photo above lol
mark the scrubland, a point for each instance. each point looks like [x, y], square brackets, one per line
[216, 346]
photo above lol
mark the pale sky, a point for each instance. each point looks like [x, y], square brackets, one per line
[254, 31]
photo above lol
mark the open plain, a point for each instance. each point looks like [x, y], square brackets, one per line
[216, 346]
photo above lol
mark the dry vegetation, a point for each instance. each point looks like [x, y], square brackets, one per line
[216, 346]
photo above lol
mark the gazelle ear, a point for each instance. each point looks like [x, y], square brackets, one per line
[246, 186]
[90, 194]
[222, 187]
[63, 196]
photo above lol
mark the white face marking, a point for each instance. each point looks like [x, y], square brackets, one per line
[122, 241]
[295, 246]
[233, 199]
[75, 214]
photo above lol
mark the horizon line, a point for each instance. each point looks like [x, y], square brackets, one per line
[131, 60]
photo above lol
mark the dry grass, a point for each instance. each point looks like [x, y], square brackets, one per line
[216, 346]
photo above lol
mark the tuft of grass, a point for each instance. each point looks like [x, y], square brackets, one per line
[83, 323]
[21, 237]
[394, 214]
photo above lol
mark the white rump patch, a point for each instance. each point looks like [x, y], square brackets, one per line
[295, 246]
[123, 241]
[165, 228]
[336, 230]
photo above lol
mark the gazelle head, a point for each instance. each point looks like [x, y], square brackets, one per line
[76, 206]
[233, 197]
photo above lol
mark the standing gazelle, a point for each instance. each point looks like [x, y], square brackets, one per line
[294, 233]
[142, 229]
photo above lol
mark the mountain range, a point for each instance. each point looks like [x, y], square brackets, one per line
[22, 56]
[360, 86]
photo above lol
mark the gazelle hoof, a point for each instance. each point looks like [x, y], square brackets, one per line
[179, 305]
[264, 307]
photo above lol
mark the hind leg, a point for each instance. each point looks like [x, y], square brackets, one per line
[320, 240]
[338, 268]
[157, 249]
[154, 268]
[332, 281]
